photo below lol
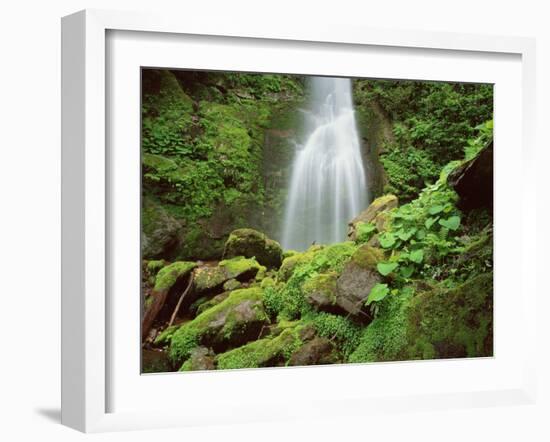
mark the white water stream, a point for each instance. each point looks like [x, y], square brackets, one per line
[328, 186]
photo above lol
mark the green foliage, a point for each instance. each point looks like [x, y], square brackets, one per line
[433, 123]
[377, 293]
[385, 268]
[203, 145]
[385, 337]
[338, 328]
[365, 231]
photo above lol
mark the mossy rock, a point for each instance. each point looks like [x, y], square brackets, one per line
[434, 323]
[231, 284]
[165, 336]
[208, 279]
[201, 358]
[209, 303]
[453, 323]
[253, 244]
[318, 351]
[357, 279]
[292, 262]
[367, 257]
[167, 276]
[268, 352]
[320, 291]
[382, 204]
[235, 321]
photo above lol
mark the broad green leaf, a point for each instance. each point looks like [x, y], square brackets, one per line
[407, 271]
[405, 235]
[421, 234]
[451, 223]
[430, 222]
[434, 210]
[387, 240]
[377, 293]
[417, 256]
[365, 231]
[385, 268]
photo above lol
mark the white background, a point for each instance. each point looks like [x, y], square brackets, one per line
[30, 232]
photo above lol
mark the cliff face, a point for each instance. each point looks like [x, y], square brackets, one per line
[216, 149]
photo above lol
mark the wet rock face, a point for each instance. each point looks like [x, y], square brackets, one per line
[251, 243]
[473, 181]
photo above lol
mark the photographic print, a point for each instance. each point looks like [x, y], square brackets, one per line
[294, 220]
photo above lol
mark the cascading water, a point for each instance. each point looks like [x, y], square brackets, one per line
[328, 186]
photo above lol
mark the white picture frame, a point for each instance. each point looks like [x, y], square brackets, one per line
[87, 208]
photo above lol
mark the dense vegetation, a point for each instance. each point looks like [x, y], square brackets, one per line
[414, 278]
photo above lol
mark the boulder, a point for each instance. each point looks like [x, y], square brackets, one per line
[234, 321]
[211, 279]
[473, 181]
[201, 358]
[267, 352]
[358, 277]
[253, 244]
[320, 291]
[380, 205]
[318, 351]
[170, 281]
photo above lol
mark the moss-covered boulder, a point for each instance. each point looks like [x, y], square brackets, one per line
[435, 322]
[209, 279]
[320, 291]
[267, 352]
[209, 303]
[253, 244]
[293, 261]
[318, 351]
[453, 323]
[169, 282]
[357, 279]
[201, 358]
[235, 321]
[380, 205]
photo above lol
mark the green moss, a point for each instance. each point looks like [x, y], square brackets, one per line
[222, 324]
[167, 276]
[339, 329]
[367, 257]
[456, 322]
[240, 265]
[321, 289]
[231, 284]
[266, 352]
[211, 278]
[385, 338]
[154, 266]
[165, 337]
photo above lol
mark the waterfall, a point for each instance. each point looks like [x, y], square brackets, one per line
[328, 186]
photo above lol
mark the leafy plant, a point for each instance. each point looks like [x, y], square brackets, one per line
[385, 268]
[377, 293]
